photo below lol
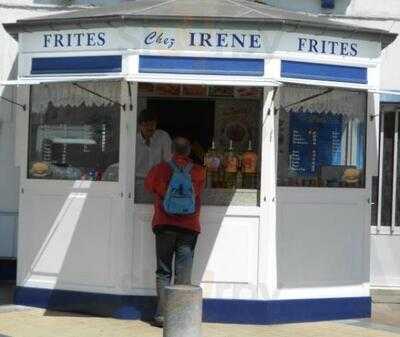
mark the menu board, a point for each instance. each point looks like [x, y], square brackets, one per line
[315, 141]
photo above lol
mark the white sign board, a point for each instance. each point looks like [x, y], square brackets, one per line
[197, 39]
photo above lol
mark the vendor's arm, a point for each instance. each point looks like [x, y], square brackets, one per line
[166, 147]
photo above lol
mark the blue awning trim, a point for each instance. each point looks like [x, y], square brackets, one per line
[324, 72]
[390, 98]
[201, 65]
[76, 65]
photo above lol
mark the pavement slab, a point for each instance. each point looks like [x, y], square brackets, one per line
[43, 323]
[386, 313]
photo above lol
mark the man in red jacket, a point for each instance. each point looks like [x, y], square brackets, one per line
[175, 234]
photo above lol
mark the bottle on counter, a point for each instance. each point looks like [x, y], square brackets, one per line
[231, 165]
[239, 179]
[249, 168]
[220, 178]
[212, 162]
[92, 174]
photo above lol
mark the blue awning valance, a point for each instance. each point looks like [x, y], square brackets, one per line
[201, 65]
[76, 65]
[324, 72]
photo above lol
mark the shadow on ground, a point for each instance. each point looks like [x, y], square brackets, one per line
[6, 292]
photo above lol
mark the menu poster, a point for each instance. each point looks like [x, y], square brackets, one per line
[168, 89]
[221, 91]
[315, 141]
[248, 92]
[194, 90]
[236, 120]
[146, 88]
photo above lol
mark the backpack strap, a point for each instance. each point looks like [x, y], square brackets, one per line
[176, 168]
[188, 168]
[173, 166]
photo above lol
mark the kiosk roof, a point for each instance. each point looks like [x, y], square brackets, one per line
[188, 10]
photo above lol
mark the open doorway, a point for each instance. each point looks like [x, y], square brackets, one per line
[189, 118]
[223, 126]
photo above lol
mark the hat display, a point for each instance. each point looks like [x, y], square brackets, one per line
[40, 169]
[351, 175]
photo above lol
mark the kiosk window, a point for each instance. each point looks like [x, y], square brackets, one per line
[223, 126]
[322, 137]
[73, 134]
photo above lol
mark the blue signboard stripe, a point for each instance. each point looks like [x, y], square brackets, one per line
[324, 72]
[201, 65]
[76, 65]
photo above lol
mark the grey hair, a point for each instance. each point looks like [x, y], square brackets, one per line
[181, 146]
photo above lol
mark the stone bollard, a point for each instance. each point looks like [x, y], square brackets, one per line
[182, 311]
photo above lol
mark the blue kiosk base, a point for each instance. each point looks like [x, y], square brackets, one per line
[214, 310]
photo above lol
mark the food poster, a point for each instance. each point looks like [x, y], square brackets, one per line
[315, 141]
[195, 90]
[221, 91]
[239, 121]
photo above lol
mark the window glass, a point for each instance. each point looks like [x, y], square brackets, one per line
[397, 220]
[321, 137]
[223, 126]
[374, 200]
[74, 134]
[387, 168]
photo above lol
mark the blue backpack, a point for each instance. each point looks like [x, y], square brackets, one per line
[180, 198]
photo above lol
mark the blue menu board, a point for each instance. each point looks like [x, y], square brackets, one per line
[315, 140]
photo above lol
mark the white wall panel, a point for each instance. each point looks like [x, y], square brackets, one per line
[226, 256]
[385, 261]
[233, 258]
[73, 242]
[9, 174]
[8, 234]
[321, 238]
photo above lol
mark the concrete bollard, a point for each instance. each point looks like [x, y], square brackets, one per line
[182, 311]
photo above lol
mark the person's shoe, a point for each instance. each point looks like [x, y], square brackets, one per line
[158, 321]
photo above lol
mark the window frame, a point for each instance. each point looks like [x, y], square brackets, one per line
[260, 102]
[32, 180]
[380, 229]
[321, 87]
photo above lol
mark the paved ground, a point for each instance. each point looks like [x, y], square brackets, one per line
[40, 323]
[16, 321]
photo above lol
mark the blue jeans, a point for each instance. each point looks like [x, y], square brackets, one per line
[170, 242]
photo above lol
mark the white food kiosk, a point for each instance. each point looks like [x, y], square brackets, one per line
[287, 242]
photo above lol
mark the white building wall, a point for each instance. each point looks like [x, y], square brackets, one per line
[385, 14]
[385, 249]
[9, 174]
[364, 8]
[385, 260]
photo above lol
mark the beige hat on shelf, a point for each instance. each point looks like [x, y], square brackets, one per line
[351, 175]
[40, 169]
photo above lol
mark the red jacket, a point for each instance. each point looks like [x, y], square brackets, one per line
[157, 181]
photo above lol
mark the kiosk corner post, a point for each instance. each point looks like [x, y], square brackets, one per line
[182, 311]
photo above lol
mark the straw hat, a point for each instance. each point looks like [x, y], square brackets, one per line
[351, 175]
[40, 169]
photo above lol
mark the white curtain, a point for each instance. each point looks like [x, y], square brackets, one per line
[350, 104]
[67, 94]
